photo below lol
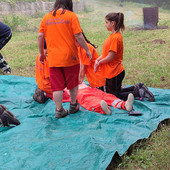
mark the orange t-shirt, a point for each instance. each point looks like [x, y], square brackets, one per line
[94, 79]
[59, 31]
[42, 75]
[113, 43]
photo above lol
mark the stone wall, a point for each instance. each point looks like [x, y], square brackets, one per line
[31, 8]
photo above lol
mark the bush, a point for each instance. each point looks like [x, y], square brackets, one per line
[14, 21]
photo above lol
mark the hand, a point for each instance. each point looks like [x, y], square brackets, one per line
[89, 55]
[42, 57]
[96, 65]
[81, 78]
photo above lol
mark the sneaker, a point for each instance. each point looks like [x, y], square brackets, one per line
[138, 86]
[61, 113]
[4, 66]
[105, 107]
[145, 93]
[129, 102]
[7, 118]
[39, 96]
[74, 108]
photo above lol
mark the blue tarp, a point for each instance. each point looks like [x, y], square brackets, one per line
[85, 140]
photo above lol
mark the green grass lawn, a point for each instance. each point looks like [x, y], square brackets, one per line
[146, 59]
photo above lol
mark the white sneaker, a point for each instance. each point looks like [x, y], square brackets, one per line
[105, 107]
[129, 102]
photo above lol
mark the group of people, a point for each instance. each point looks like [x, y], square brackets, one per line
[70, 56]
[66, 56]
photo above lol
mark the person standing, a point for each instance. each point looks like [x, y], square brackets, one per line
[61, 28]
[5, 36]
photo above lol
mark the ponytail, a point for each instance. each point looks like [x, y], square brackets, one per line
[118, 18]
[88, 40]
[120, 24]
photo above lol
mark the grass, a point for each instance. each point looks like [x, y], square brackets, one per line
[146, 59]
[150, 154]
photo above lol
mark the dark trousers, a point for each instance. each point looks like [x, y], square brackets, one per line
[114, 86]
[5, 36]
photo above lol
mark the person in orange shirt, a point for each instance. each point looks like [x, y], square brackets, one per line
[42, 77]
[110, 66]
[43, 92]
[90, 98]
[87, 67]
[61, 28]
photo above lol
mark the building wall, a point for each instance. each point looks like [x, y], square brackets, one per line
[31, 8]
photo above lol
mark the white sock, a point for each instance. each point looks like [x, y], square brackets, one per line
[129, 102]
[104, 107]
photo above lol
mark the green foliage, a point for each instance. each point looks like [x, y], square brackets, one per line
[14, 1]
[14, 22]
[160, 3]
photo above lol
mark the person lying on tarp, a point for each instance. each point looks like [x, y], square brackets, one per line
[7, 118]
[90, 98]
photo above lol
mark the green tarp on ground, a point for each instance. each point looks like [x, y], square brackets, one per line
[85, 140]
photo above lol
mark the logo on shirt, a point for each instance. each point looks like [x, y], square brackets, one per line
[56, 21]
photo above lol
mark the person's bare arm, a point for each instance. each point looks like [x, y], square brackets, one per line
[108, 58]
[100, 61]
[41, 47]
[79, 37]
[99, 58]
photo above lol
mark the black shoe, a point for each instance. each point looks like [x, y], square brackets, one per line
[145, 93]
[138, 86]
[39, 96]
[74, 108]
[7, 118]
[61, 113]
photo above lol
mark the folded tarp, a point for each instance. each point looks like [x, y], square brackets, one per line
[85, 140]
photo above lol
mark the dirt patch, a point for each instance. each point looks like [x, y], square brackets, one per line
[162, 78]
[158, 41]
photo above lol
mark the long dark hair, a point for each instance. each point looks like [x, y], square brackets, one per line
[118, 18]
[65, 4]
[88, 40]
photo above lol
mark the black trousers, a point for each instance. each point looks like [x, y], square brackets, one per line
[114, 86]
[5, 36]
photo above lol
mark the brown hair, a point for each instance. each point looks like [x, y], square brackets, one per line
[118, 18]
[88, 40]
[65, 4]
